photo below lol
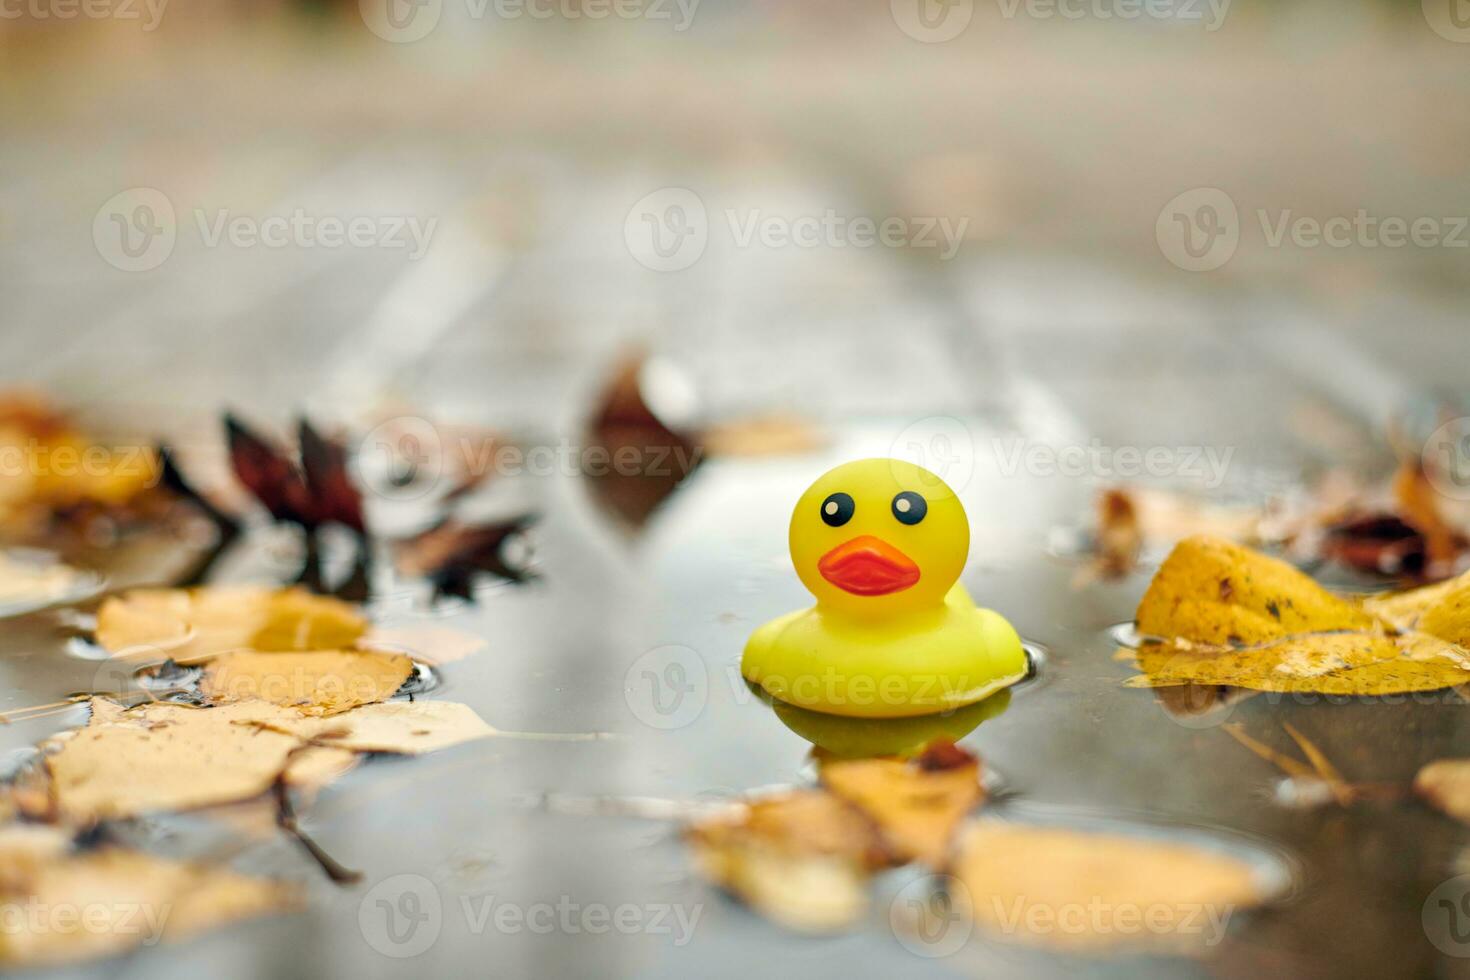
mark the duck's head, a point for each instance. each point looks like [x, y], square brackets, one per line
[878, 537]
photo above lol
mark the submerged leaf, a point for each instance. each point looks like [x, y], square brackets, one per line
[1083, 891]
[803, 858]
[916, 803]
[122, 899]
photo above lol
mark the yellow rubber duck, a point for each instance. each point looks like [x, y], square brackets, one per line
[881, 544]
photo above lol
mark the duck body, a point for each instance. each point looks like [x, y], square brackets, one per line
[919, 663]
[881, 543]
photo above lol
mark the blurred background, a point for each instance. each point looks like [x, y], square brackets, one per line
[1044, 160]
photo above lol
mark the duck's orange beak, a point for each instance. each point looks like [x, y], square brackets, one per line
[868, 566]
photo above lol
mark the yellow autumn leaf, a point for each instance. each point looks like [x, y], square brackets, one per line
[169, 757]
[916, 803]
[803, 859]
[1352, 664]
[320, 682]
[1405, 610]
[193, 624]
[162, 756]
[1085, 891]
[1213, 591]
[399, 727]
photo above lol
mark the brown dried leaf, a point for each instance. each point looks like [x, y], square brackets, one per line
[320, 682]
[1420, 505]
[802, 859]
[1119, 534]
[1445, 785]
[916, 803]
[1035, 886]
[193, 624]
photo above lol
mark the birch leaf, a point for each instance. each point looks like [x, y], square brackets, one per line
[193, 624]
[321, 682]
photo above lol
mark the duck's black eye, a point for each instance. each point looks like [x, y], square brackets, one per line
[837, 509]
[909, 507]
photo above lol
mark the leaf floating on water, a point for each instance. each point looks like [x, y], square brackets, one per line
[169, 757]
[161, 756]
[399, 727]
[1216, 592]
[129, 899]
[192, 624]
[1234, 618]
[319, 682]
[1405, 610]
[916, 803]
[802, 859]
[1035, 886]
